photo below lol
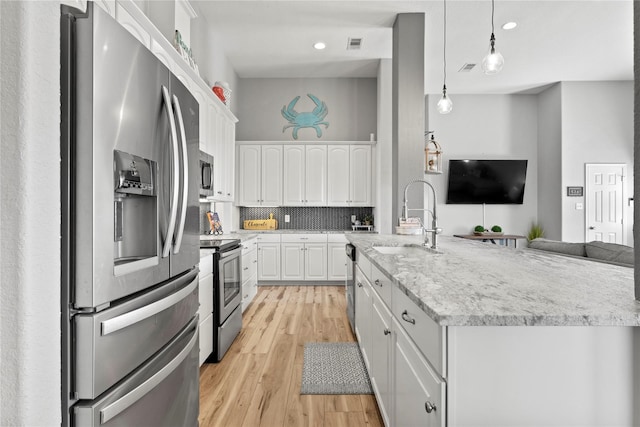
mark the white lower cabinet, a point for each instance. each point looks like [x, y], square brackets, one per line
[205, 309]
[409, 392]
[336, 257]
[249, 271]
[304, 257]
[268, 257]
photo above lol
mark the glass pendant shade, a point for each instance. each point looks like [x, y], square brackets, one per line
[445, 105]
[494, 61]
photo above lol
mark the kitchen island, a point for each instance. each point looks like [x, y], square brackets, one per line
[475, 334]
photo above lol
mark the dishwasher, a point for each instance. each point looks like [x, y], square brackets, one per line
[350, 285]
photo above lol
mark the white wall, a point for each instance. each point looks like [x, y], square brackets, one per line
[30, 212]
[487, 127]
[550, 162]
[597, 127]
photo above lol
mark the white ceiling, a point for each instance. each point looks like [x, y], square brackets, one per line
[555, 40]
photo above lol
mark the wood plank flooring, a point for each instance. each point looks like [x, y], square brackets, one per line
[257, 384]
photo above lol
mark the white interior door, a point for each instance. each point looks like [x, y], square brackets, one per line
[605, 202]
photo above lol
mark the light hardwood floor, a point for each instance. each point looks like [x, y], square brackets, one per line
[257, 384]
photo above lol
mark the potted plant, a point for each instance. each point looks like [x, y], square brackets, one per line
[367, 219]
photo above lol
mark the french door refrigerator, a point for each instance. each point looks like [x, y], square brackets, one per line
[130, 244]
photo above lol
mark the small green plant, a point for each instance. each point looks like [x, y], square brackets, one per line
[479, 229]
[496, 229]
[534, 232]
[368, 219]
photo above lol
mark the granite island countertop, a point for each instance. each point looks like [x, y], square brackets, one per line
[473, 283]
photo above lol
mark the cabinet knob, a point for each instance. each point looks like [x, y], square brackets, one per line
[359, 284]
[377, 282]
[429, 407]
[406, 318]
[387, 331]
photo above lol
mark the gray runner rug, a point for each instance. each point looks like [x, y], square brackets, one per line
[334, 368]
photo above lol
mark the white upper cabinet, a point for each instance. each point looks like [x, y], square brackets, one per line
[305, 175]
[350, 175]
[259, 175]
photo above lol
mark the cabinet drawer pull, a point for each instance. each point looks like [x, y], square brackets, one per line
[429, 407]
[387, 331]
[406, 318]
[359, 284]
[377, 282]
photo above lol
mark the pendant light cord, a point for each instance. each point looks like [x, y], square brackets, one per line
[444, 47]
[492, 12]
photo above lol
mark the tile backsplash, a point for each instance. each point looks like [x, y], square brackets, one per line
[307, 218]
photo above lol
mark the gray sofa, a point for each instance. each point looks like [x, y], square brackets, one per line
[611, 253]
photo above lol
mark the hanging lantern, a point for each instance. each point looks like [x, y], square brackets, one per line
[433, 155]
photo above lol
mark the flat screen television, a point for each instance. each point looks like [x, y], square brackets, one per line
[492, 182]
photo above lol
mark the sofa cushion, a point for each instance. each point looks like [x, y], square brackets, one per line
[610, 252]
[567, 248]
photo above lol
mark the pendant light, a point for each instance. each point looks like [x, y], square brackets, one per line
[444, 105]
[494, 61]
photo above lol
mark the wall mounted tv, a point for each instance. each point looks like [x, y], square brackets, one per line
[492, 182]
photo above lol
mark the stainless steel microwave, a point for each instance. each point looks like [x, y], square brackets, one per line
[206, 175]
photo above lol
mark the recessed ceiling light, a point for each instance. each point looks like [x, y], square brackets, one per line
[509, 25]
[319, 45]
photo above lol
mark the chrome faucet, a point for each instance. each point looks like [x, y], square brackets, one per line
[435, 230]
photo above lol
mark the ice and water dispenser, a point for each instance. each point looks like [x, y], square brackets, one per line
[135, 212]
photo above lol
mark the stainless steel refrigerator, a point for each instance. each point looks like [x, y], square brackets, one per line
[130, 244]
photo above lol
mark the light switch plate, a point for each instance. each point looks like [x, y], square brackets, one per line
[579, 206]
[287, 218]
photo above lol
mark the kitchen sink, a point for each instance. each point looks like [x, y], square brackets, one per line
[406, 250]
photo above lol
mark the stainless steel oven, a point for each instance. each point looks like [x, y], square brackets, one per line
[205, 178]
[227, 295]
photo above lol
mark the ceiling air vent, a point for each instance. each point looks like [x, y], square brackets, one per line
[466, 68]
[354, 43]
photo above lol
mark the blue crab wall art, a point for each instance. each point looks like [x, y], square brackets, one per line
[313, 119]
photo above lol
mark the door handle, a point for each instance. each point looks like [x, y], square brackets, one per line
[185, 176]
[592, 228]
[174, 198]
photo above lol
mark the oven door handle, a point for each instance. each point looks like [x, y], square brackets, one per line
[230, 253]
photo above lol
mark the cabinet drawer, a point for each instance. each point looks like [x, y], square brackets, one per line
[336, 238]
[268, 238]
[429, 337]
[304, 238]
[249, 265]
[364, 264]
[249, 246]
[419, 391]
[381, 284]
[206, 265]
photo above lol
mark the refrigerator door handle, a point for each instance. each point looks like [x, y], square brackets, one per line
[176, 182]
[131, 318]
[185, 177]
[115, 408]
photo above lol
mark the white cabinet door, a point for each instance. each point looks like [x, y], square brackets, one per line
[381, 339]
[315, 175]
[203, 129]
[268, 261]
[293, 255]
[293, 179]
[271, 170]
[360, 177]
[336, 266]
[363, 316]
[419, 393]
[249, 176]
[315, 261]
[338, 175]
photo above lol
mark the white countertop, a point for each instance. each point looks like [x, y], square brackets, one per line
[473, 283]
